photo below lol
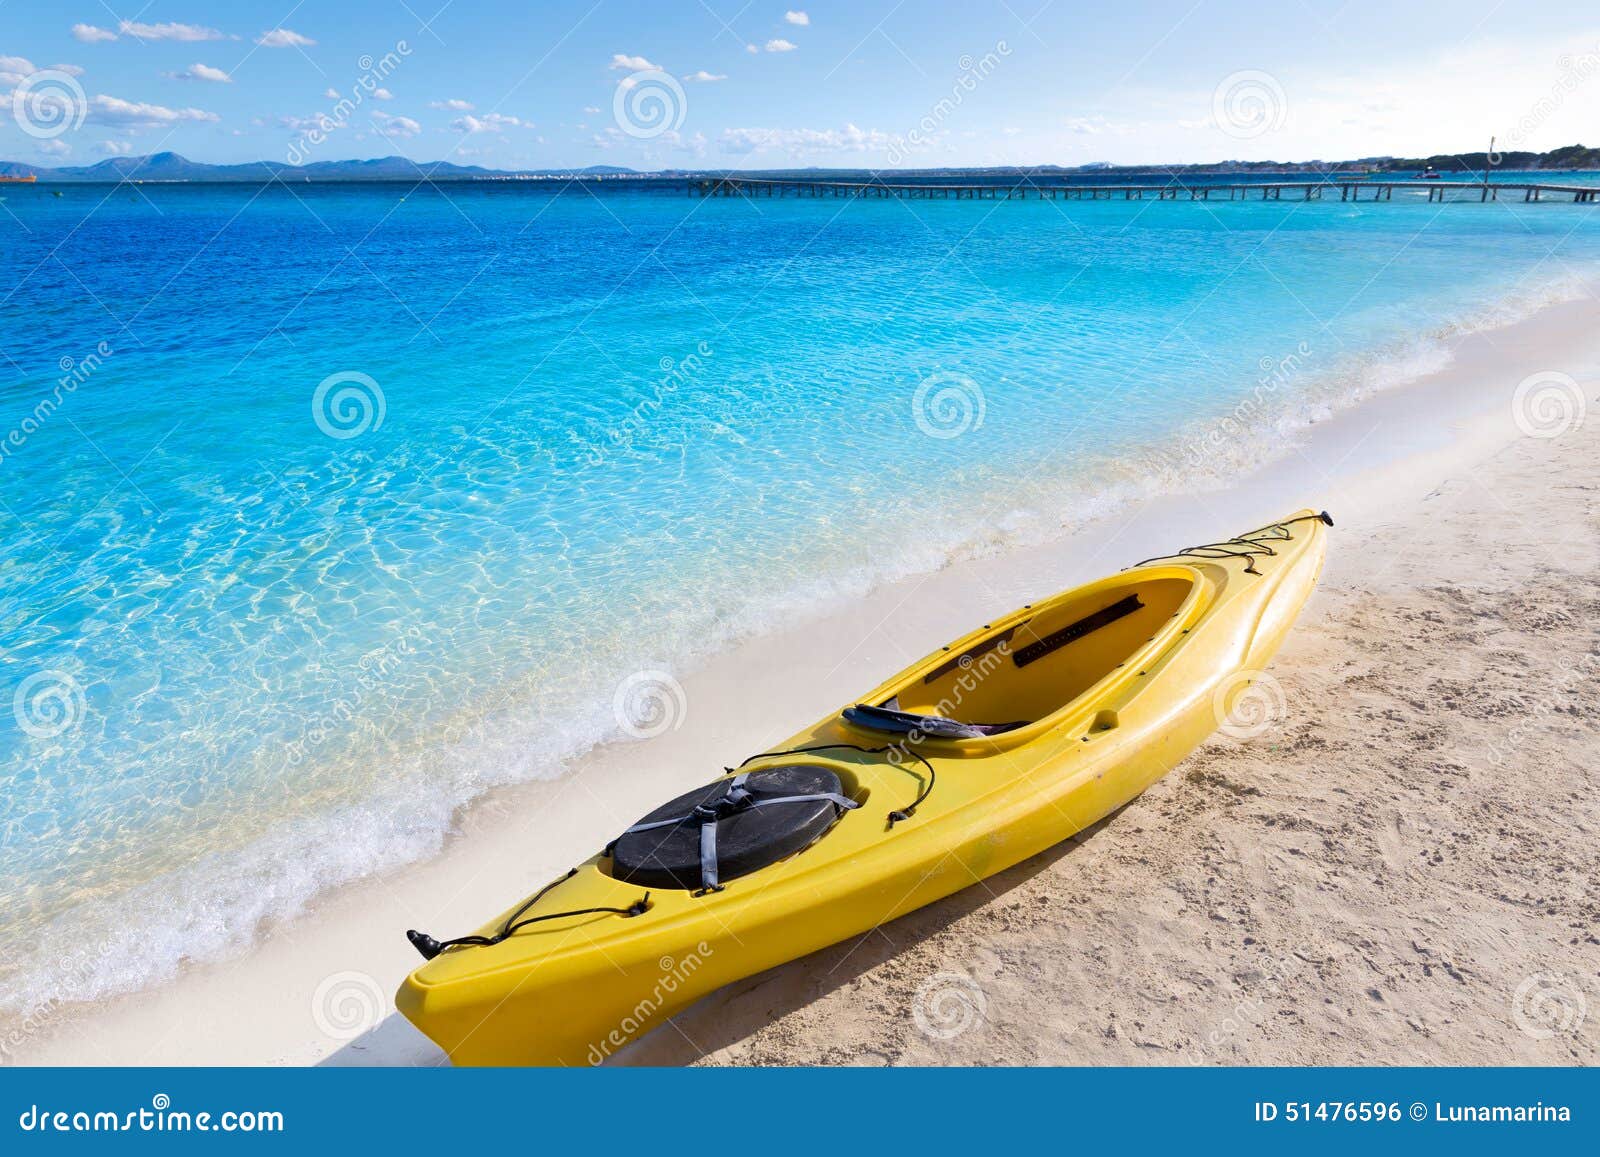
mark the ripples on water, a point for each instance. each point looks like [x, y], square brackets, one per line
[257, 653]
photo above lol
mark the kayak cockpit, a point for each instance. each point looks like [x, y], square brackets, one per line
[1035, 664]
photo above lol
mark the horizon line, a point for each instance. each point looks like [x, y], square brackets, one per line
[112, 163]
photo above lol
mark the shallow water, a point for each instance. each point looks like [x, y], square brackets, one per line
[328, 508]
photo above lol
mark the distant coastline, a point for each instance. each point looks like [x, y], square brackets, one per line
[168, 167]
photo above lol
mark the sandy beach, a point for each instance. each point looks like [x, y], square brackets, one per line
[1401, 867]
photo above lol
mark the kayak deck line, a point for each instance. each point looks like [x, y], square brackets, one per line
[1251, 543]
[1100, 714]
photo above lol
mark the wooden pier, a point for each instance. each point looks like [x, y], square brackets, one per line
[1348, 190]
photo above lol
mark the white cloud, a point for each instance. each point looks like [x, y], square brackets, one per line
[92, 33]
[752, 48]
[624, 63]
[488, 123]
[592, 110]
[452, 105]
[284, 38]
[15, 69]
[781, 45]
[189, 32]
[394, 126]
[382, 94]
[704, 77]
[202, 72]
[798, 18]
[110, 110]
[331, 93]
[54, 148]
[114, 148]
[849, 139]
[695, 146]
[670, 139]
[1094, 126]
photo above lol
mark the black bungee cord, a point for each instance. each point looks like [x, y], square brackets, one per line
[895, 816]
[1250, 545]
[429, 947]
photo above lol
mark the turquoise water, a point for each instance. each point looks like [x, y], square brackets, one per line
[328, 509]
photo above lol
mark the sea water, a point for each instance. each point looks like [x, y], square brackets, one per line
[328, 508]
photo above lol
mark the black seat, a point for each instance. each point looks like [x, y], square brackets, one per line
[897, 722]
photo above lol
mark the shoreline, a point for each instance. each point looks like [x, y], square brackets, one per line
[305, 985]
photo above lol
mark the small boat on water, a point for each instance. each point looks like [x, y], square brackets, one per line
[988, 751]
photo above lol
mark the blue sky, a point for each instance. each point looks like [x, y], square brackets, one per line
[681, 83]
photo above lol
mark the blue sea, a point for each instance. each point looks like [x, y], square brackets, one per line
[327, 509]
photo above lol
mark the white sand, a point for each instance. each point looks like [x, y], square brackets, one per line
[1362, 883]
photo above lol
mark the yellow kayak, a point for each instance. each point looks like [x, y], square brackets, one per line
[984, 753]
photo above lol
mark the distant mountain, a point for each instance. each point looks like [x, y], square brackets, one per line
[172, 167]
[1566, 157]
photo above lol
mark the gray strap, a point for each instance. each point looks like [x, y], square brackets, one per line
[835, 798]
[636, 828]
[708, 857]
